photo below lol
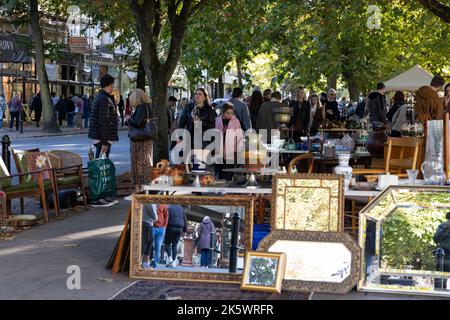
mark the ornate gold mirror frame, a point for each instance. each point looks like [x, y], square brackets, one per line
[308, 202]
[327, 262]
[136, 237]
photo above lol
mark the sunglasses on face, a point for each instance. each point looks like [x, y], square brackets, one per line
[229, 113]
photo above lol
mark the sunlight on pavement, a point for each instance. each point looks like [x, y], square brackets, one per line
[66, 237]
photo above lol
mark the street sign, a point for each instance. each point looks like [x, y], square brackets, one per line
[13, 48]
[14, 73]
[78, 45]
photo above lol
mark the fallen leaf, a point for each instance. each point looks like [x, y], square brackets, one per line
[106, 279]
[7, 238]
[71, 245]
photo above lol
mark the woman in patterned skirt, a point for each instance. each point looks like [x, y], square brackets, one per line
[141, 151]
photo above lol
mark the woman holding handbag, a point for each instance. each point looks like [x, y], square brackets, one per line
[142, 131]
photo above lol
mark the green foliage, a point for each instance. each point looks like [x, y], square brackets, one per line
[331, 38]
[408, 238]
[226, 31]
[263, 271]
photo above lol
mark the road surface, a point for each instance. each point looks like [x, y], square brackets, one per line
[78, 143]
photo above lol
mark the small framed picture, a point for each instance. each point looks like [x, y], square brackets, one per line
[263, 271]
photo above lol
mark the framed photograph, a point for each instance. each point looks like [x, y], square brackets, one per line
[204, 251]
[326, 262]
[308, 202]
[263, 271]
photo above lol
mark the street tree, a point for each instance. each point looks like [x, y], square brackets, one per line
[225, 35]
[326, 40]
[28, 12]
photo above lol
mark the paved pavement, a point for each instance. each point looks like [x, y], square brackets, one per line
[34, 263]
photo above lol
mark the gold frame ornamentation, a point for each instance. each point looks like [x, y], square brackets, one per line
[281, 267]
[315, 236]
[135, 241]
[279, 194]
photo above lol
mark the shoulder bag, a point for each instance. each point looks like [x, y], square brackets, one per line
[148, 132]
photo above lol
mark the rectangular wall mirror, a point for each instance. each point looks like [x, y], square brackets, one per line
[202, 248]
[405, 237]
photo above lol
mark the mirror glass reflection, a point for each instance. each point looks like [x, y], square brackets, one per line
[190, 238]
[406, 241]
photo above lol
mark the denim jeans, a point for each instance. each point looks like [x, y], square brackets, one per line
[205, 257]
[70, 117]
[158, 238]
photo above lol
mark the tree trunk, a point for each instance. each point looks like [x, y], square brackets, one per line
[159, 93]
[239, 73]
[354, 91]
[140, 80]
[332, 82]
[438, 8]
[48, 112]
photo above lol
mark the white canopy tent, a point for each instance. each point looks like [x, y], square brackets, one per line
[410, 80]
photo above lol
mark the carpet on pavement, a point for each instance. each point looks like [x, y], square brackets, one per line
[177, 290]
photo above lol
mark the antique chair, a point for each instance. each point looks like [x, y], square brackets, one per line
[32, 188]
[67, 166]
[400, 154]
[307, 156]
[21, 166]
[69, 173]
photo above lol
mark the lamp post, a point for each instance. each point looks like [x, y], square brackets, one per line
[234, 243]
[6, 153]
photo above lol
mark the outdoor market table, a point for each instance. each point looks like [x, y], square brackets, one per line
[186, 189]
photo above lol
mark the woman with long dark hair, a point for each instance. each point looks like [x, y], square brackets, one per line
[256, 101]
[447, 97]
[399, 100]
[198, 114]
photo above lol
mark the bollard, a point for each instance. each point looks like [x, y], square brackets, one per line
[6, 153]
[211, 249]
[234, 243]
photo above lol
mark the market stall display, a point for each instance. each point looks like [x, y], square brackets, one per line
[307, 202]
[264, 271]
[326, 262]
[218, 243]
[403, 236]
